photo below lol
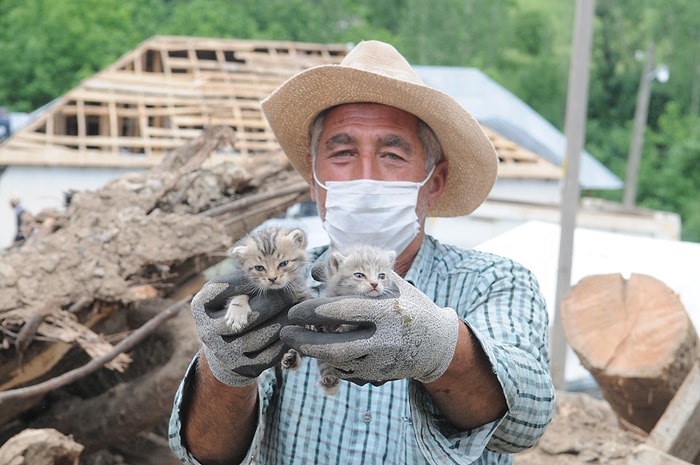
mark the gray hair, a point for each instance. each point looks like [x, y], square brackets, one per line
[426, 136]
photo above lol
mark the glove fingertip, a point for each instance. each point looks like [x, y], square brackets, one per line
[289, 334]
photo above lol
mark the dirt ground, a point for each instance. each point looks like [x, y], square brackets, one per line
[584, 430]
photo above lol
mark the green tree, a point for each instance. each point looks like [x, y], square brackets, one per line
[669, 178]
[49, 45]
[208, 18]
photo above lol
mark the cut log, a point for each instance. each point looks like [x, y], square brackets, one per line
[635, 338]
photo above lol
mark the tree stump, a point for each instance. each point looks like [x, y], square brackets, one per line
[635, 338]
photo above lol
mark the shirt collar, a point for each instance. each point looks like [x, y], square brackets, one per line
[419, 272]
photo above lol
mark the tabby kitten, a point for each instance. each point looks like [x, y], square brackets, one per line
[357, 270]
[271, 258]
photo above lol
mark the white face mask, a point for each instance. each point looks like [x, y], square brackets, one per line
[366, 211]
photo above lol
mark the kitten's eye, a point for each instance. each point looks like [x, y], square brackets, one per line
[381, 275]
[359, 275]
[283, 264]
[259, 268]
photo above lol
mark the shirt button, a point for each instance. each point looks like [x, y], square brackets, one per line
[367, 416]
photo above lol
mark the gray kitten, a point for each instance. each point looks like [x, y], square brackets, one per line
[357, 270]
[271, 258]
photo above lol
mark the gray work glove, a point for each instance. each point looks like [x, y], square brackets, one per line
[395, 337]
[236, 359]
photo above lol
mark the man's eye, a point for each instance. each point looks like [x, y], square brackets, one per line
[342, 154]
[394, 156]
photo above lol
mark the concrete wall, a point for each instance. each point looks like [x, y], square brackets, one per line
[43, 187]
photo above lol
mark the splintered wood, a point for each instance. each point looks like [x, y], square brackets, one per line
[678, 430]
[635, 338]
[40, 447]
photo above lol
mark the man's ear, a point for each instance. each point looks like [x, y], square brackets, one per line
[437, 182]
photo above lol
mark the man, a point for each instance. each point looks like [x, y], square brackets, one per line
[4, 124]
[17, 207]
[453, 370]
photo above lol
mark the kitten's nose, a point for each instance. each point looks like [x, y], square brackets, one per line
[374, 285]
[272, 279]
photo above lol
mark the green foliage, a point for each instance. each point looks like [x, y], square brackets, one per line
[670, 178]
[451, 32]
[530, 63]
[208, 18]
[48, 46]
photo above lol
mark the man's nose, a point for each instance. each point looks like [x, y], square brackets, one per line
[368, 166]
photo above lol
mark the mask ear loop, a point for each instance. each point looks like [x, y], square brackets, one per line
[318, 183]
[427, 178]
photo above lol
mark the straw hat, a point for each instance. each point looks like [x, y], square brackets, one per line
[376, 72]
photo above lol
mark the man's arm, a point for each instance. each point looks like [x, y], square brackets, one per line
[476, 402]
[218, 420]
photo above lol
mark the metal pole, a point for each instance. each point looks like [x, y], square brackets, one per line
[641, 113]
[575, 124]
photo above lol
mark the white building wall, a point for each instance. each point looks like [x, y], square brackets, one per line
[43, 187]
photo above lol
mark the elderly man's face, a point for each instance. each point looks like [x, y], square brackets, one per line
[369, 141]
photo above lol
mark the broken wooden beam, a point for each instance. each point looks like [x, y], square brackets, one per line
[644, 454]
[678, 430]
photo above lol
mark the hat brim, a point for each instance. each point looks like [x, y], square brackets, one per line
[472, 159]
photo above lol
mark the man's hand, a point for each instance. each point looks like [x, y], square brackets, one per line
[237, 358]
[401, 336]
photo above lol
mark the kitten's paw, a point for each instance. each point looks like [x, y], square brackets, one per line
[291, 360]
[330, 384]
[238, 312]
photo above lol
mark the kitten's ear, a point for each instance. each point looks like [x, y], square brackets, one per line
[298, 238]
[391, 254]
[334, 261]
[237, 252]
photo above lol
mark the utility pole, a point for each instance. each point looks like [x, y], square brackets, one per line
[641, 113]
[575, 125]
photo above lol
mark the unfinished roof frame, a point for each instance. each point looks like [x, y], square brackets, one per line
[164, 92]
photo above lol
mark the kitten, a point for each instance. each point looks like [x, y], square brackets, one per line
[271, 258]
[357, 270]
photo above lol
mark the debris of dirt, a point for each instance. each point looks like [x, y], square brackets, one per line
[584, 431]
[89, 276]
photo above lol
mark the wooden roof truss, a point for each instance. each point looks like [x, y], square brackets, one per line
[163, 93]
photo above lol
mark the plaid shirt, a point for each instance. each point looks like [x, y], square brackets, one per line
[397, 422]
